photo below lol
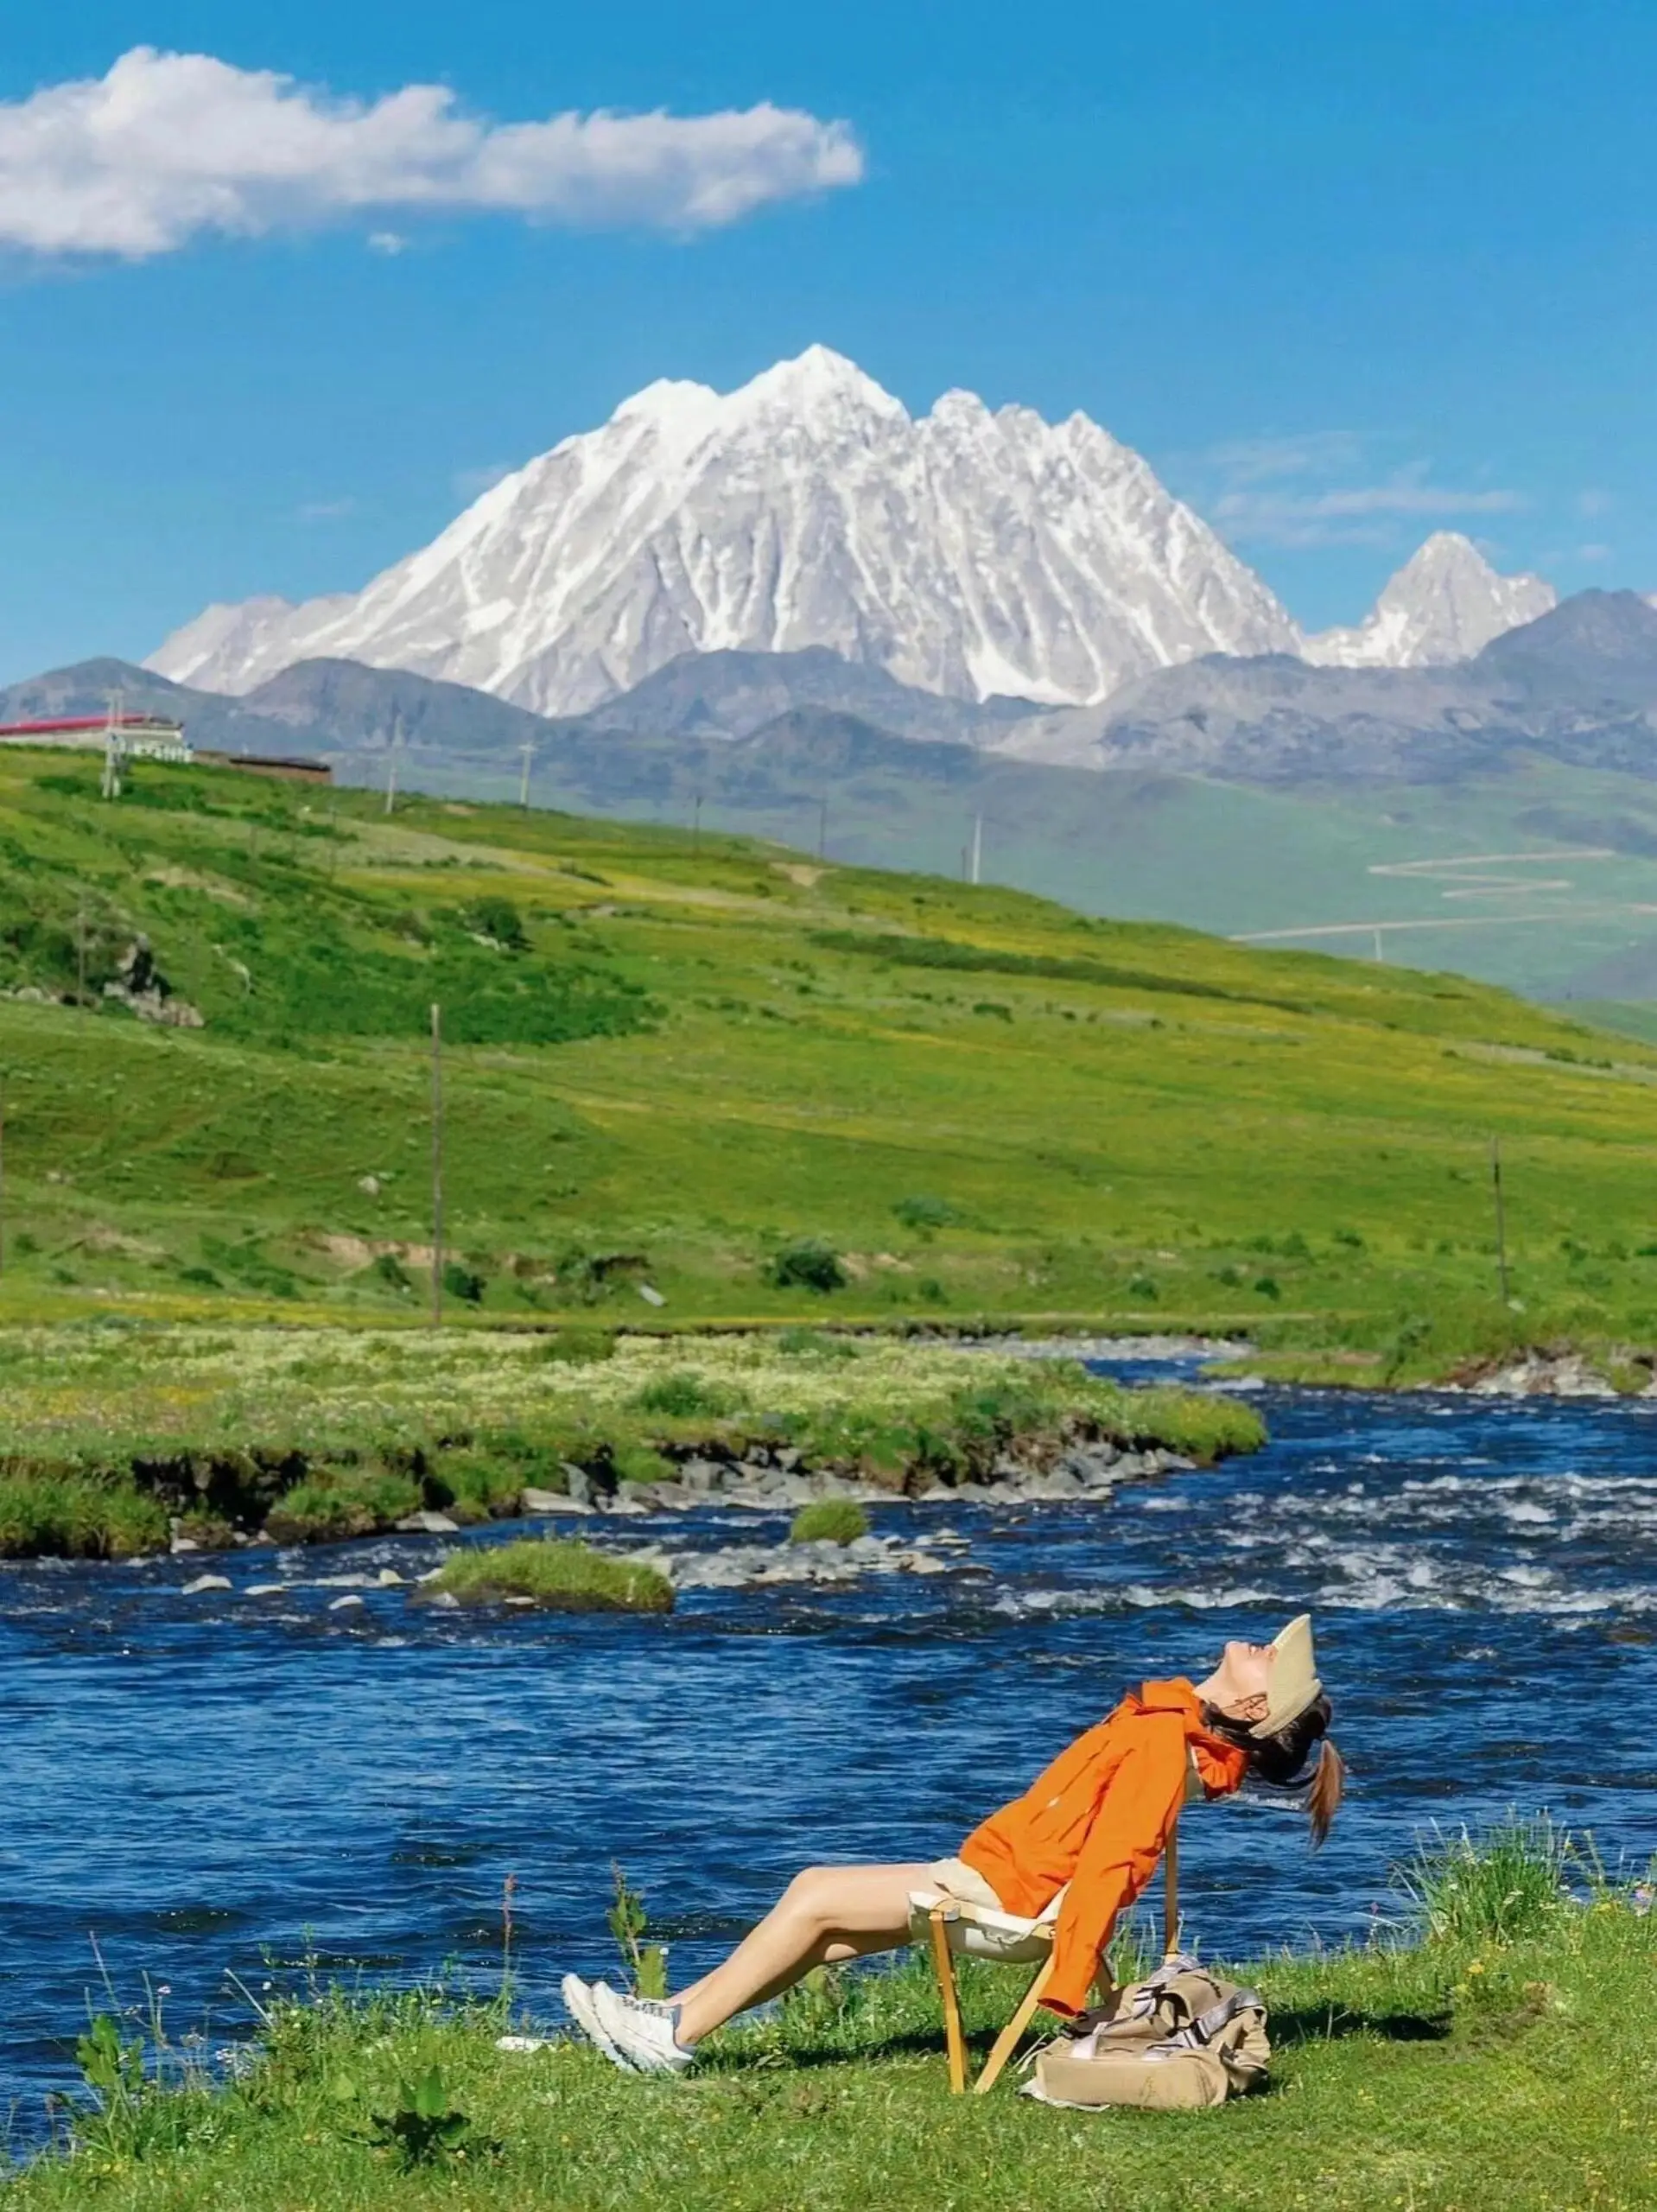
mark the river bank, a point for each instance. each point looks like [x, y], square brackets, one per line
[125, 1441]
[1494, 2058]
[1596, 1368]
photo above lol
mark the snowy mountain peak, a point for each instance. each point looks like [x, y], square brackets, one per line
[966, 552]
[1444, 604]
[814, 380]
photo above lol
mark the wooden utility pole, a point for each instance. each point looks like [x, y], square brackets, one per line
[436, 1167]
[392, 764]
[696, 831]
[528, 751]
[977, 846]
[81, 952]
[2, 1174]
[822, 830]
[1501, 1225]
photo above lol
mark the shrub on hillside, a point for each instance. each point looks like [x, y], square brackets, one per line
[808, 1265]
[499, 920]
[923, 1211]
[464, 1283]
[249, 1266]
[590, 1276]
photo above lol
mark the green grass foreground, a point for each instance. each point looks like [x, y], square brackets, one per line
[557, 1574]
[760, 1087]
[1467, 2071]
[110, 1433]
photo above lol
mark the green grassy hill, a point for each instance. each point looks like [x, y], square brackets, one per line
[671, 1063]
[1541, 878]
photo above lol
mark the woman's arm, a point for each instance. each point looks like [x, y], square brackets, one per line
[1126, 1840]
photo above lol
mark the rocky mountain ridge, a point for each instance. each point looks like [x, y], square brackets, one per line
[1578, 685]
[1443, 605]
[966, 552]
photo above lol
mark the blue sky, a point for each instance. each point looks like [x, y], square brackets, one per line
[1344, 274]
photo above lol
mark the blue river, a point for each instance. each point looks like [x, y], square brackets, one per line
[212, 1790]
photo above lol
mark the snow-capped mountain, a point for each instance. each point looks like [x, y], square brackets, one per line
[968, 552]
[1446, 604]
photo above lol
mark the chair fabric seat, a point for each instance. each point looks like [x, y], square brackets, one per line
[977, 1932]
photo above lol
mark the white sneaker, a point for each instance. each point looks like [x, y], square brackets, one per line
[639, 2032]
[580, 2002]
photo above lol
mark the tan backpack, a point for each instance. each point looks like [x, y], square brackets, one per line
[1179, 2039]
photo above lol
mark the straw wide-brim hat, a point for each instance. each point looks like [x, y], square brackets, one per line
[1293, 1684]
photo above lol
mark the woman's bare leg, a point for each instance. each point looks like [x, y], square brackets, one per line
[826, 1914]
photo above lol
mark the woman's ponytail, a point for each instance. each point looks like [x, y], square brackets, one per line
[1281, 1760]
[1327, 1788]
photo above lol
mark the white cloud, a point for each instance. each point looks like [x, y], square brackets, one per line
[169, 146]
[327, 510]
[1307, 452]
[1266, 497]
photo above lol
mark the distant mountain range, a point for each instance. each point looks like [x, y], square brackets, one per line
[1577, 685]
[972, 554]
[1335, 805]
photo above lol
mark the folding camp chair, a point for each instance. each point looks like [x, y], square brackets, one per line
[954, 1927]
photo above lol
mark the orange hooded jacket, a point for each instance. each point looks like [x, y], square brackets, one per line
[1099, 1818]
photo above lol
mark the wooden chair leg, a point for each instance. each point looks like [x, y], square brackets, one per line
[1007, 2042]
[1170, 1893]
[944, 1962]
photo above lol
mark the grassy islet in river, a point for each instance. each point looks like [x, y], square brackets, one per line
[829, 1521]
[558, 1573]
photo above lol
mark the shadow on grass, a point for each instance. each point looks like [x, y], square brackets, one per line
[1291, 2025]
[809, 2057]
[1330, 2023]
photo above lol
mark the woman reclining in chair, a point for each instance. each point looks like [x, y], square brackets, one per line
[1097, 1819]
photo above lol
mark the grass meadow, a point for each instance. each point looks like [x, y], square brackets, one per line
[758, 1089]
[1493, 2052]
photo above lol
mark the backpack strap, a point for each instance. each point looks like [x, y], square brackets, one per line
[1207, 2026]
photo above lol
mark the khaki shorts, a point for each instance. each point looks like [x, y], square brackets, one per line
[960, 1880]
